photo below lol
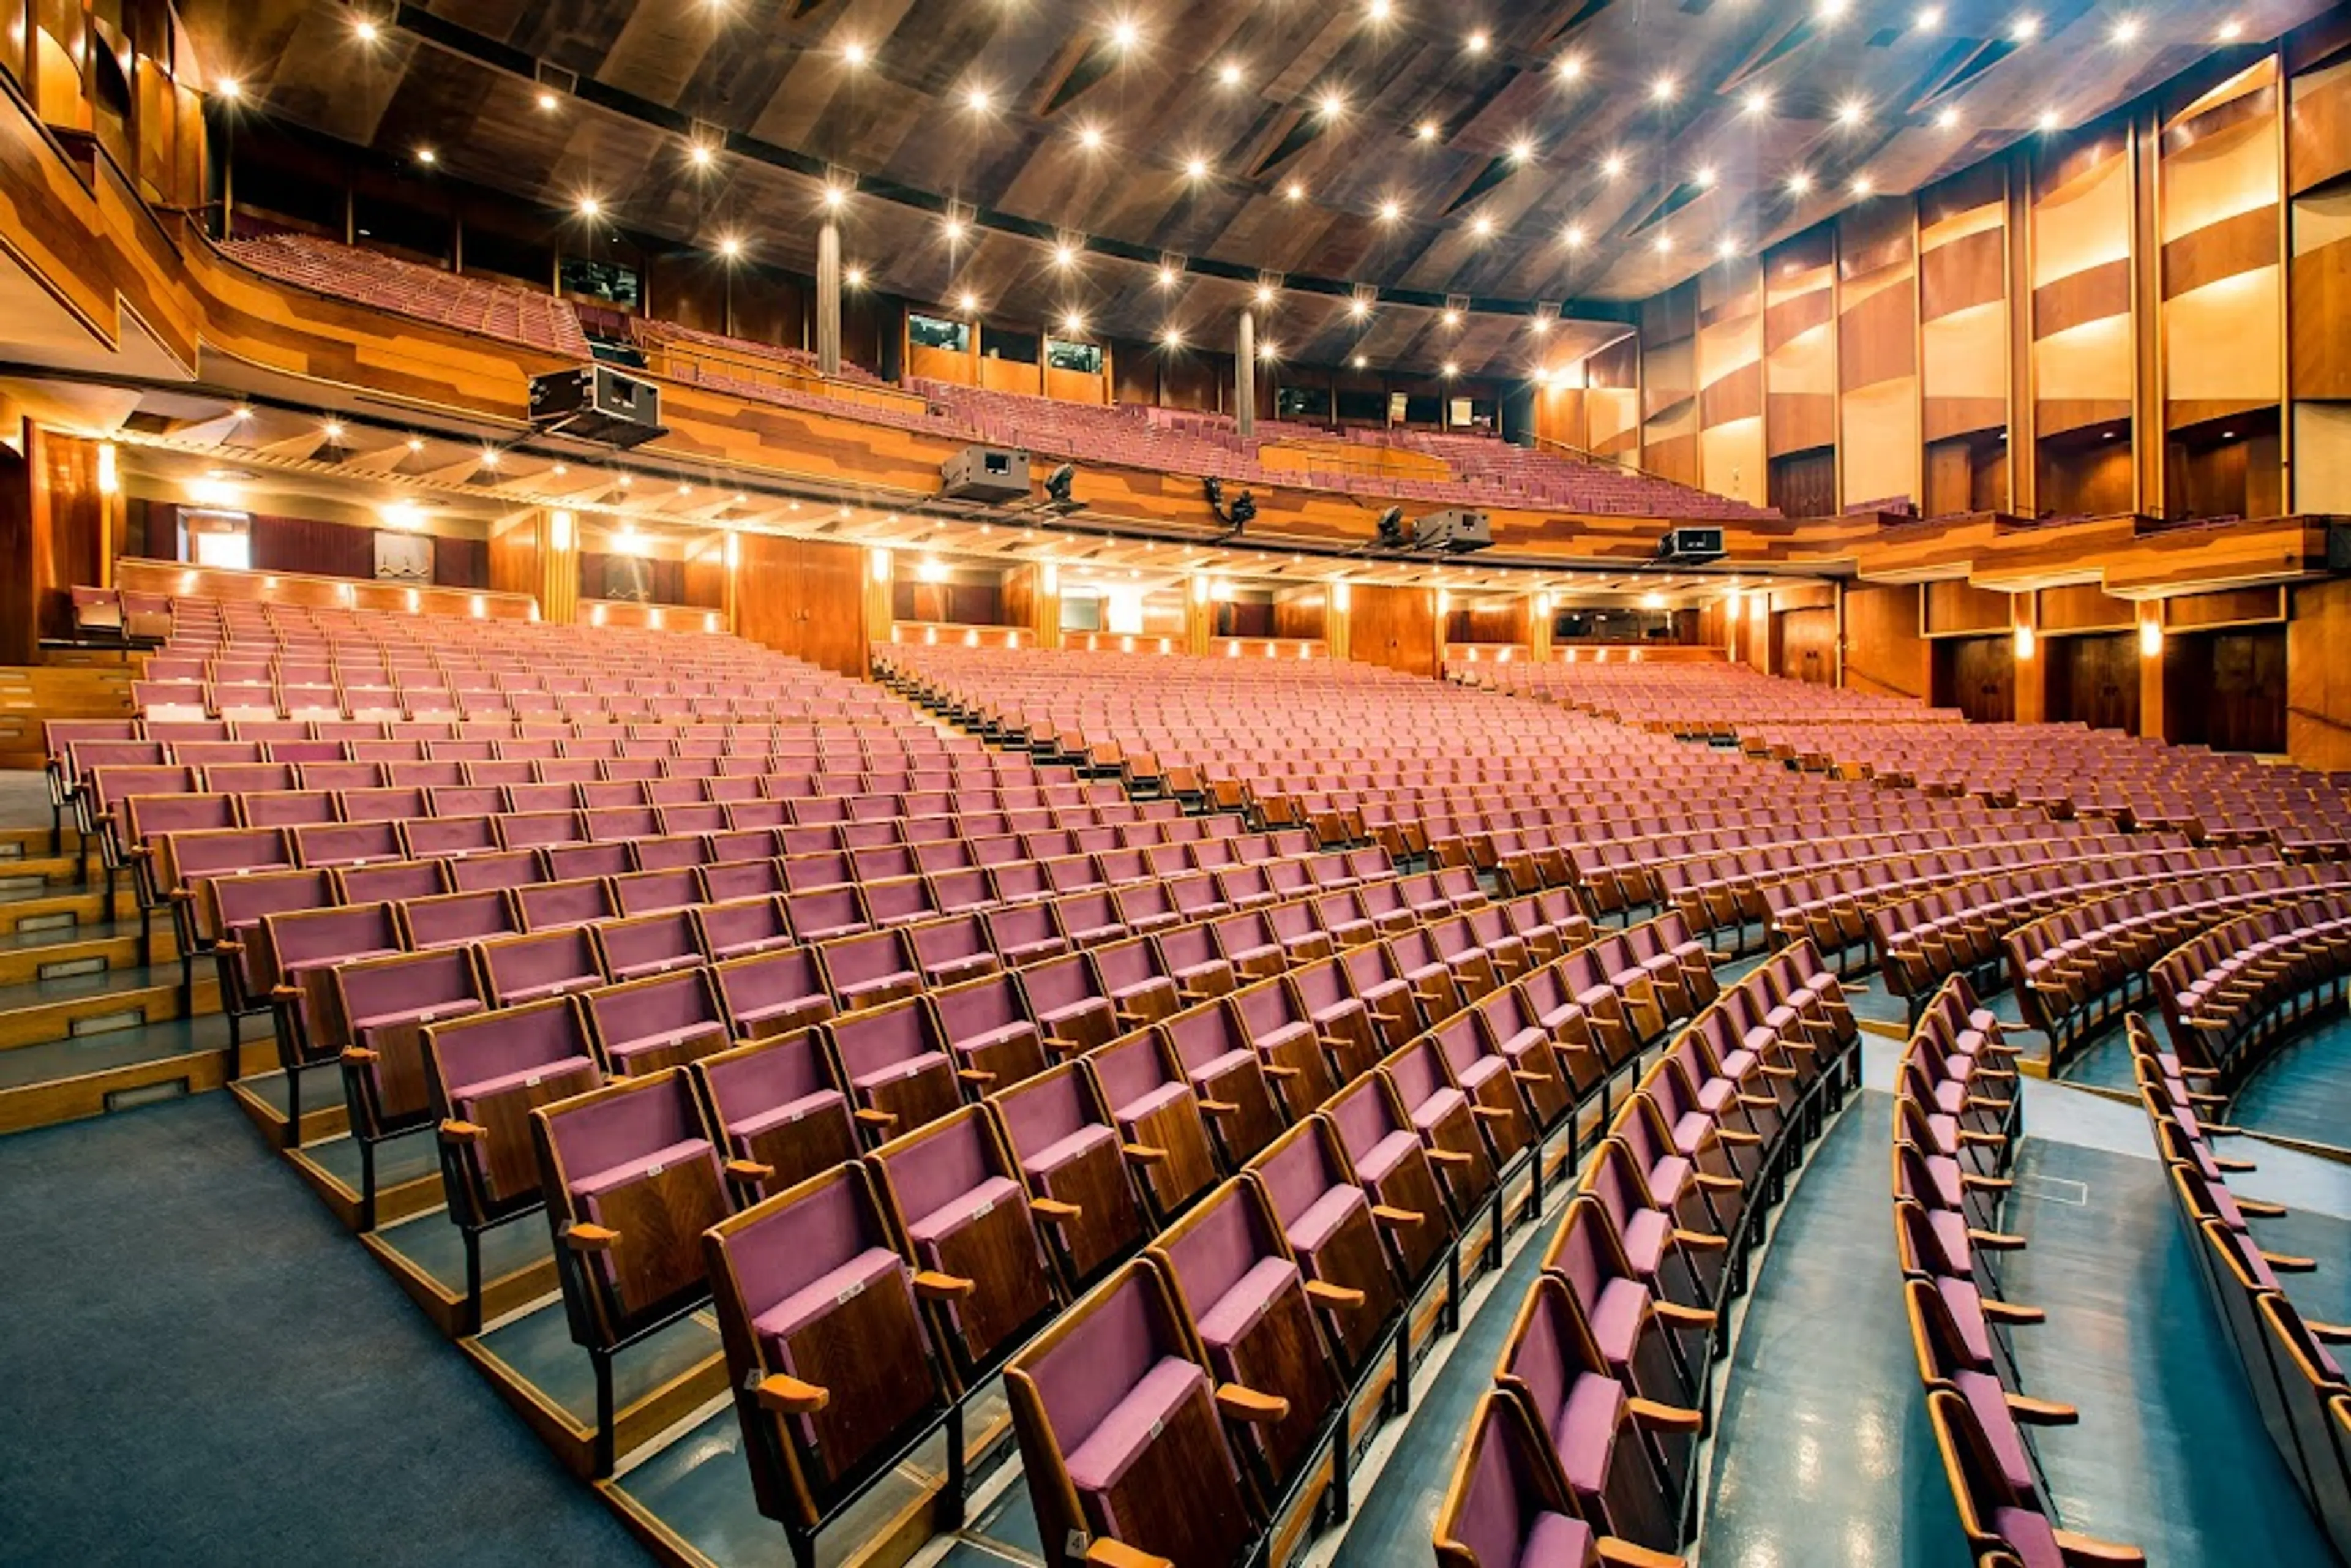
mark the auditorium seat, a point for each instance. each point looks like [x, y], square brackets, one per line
[1074, 1168]
[778, 1110]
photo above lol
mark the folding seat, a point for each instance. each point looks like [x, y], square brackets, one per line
[1193, 897]
[1498, 1101]
[824, 912]
[904, 901]
[825, 1345]
[1378, 981]
[1615, 1033]
[486, 1072]
[391, 881]
[632, 1179]
[775, 992]
[896, 1070]
[1508, 1505]
[327, 844]
[1071, 1011]
[1330, 1228]
[960, 891]
[1245, 886]
[542, 964]
[447, 838]
[1207, 1044]
[1655, 1347]
[535, 799]
[1387, 1159]
[1019, 882]
[573, 863]
[651, 892]
[725, 883]
[1145, 906]
[641, 1027]
[547, 905]
[667, 851]
[1246, 943]
[1087, 917]
[1119, 1427]
[639, 947]
[1074, 1168]
[1166, 1137]
[1253, 1311]
[1475, 974]
[298, 949]
[1433, 982]
[495, 869]
[1552, 1075]
[868, 968]
[1623, 1458]
[1441, 1115]
[289, 808]
[1995, 1516]
[539, 831]
[464, 800]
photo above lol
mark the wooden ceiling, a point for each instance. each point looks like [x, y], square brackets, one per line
[1463, 115]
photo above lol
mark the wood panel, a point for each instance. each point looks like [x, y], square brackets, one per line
[2318, 677]
[1978, 676]
[1875, 339]
[1954, 607]
[514, 559]
[1883, 650]
[1797, 420]
[1803, 484]
[2081, 607]
[2318, 130]
[1808, 640]
[2320, 282]
[804, 597]
[1792, 318]
[1962, 274]
[1396, 627]
[1738, 395]
[2090, 295]
[2234, 245]
[2224, 607]
[2227, 689]
[2093, 680]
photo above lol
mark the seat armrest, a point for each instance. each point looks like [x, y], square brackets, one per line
[1615, 1553]
[581, 1236]
[1323, 1293]
[1249, 1405]
[1105, 1552]
[870, 1117]
[1680, 1316]
[457, 1132]
[1448, 1157]
[1144, 1154]
[1657, 1417]
[933, 1286]
[2082, 1549]
[2041, 1412]
[1054, 1209]
[781, 1395]
[1397, 1219]
[750, 1170]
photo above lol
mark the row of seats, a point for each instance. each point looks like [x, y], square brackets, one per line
[2235, 987]
[1584, 1449]
[2066, 965]
[1956, 1123]
[2298, 1384]
[1701, 701]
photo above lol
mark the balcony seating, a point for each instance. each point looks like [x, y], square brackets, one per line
[380, 282]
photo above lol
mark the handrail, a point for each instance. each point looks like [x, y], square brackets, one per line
[1584, 454]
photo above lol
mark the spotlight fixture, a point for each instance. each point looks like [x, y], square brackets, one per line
[1056, 487]
[228, 89]
[833, 194]
[1391, 528]
[366, 31]
[1065, 256]
[955, 229]
[1425, 130]
[1798, 183]
[1358, 309]
[1333, 103]
[1167, 277]
[1451, 318]
[1572, 236]
[1124, 34]
[589, 206]
[1849, 111]
[701, 155]
[1703, 177]
[1522, 150]
[1294, 192]
[1073, 324]
[1663, 244]
[1482, 226]
[1091, 138]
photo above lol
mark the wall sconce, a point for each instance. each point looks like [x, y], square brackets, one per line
[1199, 589]
[1543, 603]
[710, 620]
[415, 600]
[2027, 641]
[559, 532]
[1443, 601]
[2150, 639]
[1339, 597]
[110, 477]
[405, 516]
[1050, 576]
[733, 550]
[478, 606]
[881, 563]
[930, 570]
[654, 619]
[596, 616]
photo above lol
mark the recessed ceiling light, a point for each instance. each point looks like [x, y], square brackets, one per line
[1613, 165]
[854, 53]
[2048, 119]
[1798, 183]
[366, 31]
[1757, 101]
[1065, 255]
[1451, 368]
[1358, 361]
[1703, 177]
[2025, 28]
[833, 197]
[1451, 318]
[546, 100]
[1572, 235]
[426, 156]
[1947, 119]
[1482, 226]
[854, 278]
[1167, 275]
[1358, 309]
[1929, 18]
[1125, 34]
[1195, 168]
[416, 444]
[2231, 31]
[229, 89]
[1830, 10]
[2126, 29]
[1294, 192]
[1073, 323]
[977, 98]
[1265, 293]
[1726, 247]
[334, 430]
[1861, 185]
[956, 229]
[1425, 130]
[1570, 66]
[730, 247]
[1663, 244]
[702, 155]
[1390, 211]
[1090, 137]
[1268, 350]
[966, 302]
[1230, 74]
[1380, 10]
[1333, 103]
[685, 489]
[589, 206]
[1522, 150]
[1477, 42]
[1663, 90]
[1849, 111]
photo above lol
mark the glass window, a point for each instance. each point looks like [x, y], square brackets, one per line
[607, 281]
[996, 343]
[935, 332]
[1301, 403]
[1062, 356]
[1366, 406]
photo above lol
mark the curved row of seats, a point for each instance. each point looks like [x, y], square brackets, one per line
[2299, 1387]
[1956, 1123]
[1919, 940]
[2067, 967]
[1585, 1449]
[2231, 992]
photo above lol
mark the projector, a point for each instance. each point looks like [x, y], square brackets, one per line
[985, 474]
[597, 404]
[1691, 545]
[1452, 532]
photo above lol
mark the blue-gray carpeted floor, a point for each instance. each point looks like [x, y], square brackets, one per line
[199, 1367]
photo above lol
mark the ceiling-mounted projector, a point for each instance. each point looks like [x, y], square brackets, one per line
[1452, 532]
[986, 474]
[597, 404]
[1691, 545]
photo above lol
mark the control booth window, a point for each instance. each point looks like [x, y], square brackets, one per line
[607, 281]
[1303, 402]
[1062, 356]
[936, 332]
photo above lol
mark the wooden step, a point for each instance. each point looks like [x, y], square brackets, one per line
[91, 950]
[65, 910]
[80, 1006]
[80, 1078]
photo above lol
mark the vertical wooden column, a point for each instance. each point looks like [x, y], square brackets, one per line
[558, 567]
[1539, 628]
[730, 560]
[1199, 612]
[876, 613]
[1048, 605]
[2024, 460]
[2032, 665]
[1338, 620]
[2149, 402]
[2152, 719]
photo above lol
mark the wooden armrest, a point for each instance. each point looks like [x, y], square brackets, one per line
[359, 1056]
[1143, 1153]
[1272, 1071]
[1397, 1219]
[2260, 1207]
[1491, 1113]
[229, 945]
[1700, 1240]
[2041, 1412]
[456, 1132]
[2000, 1312]
[1448, 1157]
[2328, 1333]
[978, 1075]
[1247, 1405]
[2086, 1549]
[1619, 1554]
[750, 1170]
[933, 1286]
[870, 1117]
[1218, 1107]
[2287, 1263]
[581, 1236]
[1769, 1071]
[294, 994]
[1995, 1241]
[1323, 1293]
[1682, 1317]
[1657, 1417]
[1975, 1182]
[1105, 1552]
[1733, 1135]
[1757, 1102]
[2232, 1164]
[1711, 1181]
[2222, 1130]
[1984, 1140]
[781, 1395]
[1054, 1209]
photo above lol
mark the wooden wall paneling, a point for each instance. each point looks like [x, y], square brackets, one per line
[2318, 676]
[1957, 608]
[1978, 676]
[2318, 130]
[1395, 627]
[1808, 639]
[2227, 689]
[21, 499]
[460, 562]
[2093, 680]
[1883, 651]
[2081, 607]
[2225, 607]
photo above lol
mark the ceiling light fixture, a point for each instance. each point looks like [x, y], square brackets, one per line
[1757, 101]
[1172, 338]
[1333, 103]
[853, 55]
[426, 156]
[1613, 165]
[1849, 111]
[366, 31]
[1570, 66]
[1230, 74]
[1477, 42]
[2025, 28]
[546, 100]
[589, 206]
[1195, 168]
[1167, 277]
[854, 278]
[1390, 211]
[978, 100]
[1451, 318]
[1572, 236]
[1929, 18]
[2127, 30]
[1124, 34]
[967, 302]
[729, 247]
[2231, 31]
[1798, 183]
[1090, 137]
[1663, 90]
[1947, 119]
